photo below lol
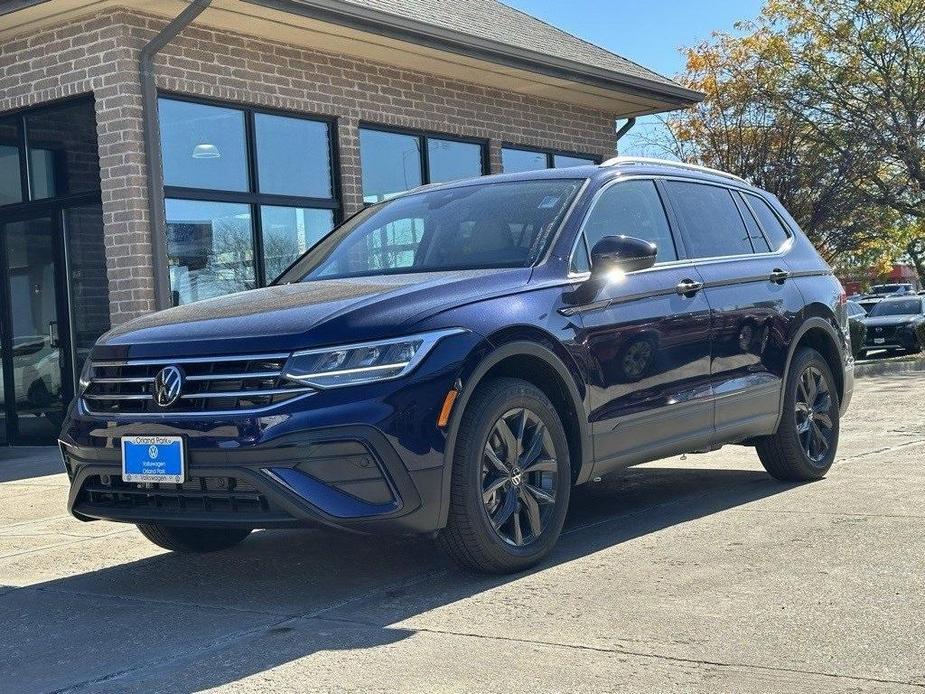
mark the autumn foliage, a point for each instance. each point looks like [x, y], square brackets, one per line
[822, 102]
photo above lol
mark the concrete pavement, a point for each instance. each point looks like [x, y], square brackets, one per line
[696, 574]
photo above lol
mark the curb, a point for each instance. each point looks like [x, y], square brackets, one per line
[888, 367]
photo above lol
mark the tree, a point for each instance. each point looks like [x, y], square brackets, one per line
[855, 74]
[821, 102]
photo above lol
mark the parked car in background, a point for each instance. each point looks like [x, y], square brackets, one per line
[856, 327]
[895, 289]
[892, 325]
[879, 292]
[451, 362]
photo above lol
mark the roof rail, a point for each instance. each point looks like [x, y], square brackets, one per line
[617, 161]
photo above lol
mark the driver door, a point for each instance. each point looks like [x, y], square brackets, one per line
[646, 336]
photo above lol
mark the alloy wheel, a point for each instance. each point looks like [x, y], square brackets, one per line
[519, 477]
[815, 427]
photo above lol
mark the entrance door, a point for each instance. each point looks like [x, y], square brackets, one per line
[35, 346]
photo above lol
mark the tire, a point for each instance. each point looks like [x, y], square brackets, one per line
[471, 536]
[794, 453]
[192, 540]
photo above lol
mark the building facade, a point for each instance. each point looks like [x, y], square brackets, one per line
[274, 120]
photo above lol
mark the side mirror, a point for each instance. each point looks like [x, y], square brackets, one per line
[622, 253]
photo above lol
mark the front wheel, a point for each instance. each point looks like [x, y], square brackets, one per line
[192, 540]
[804, 446]
[511, 479]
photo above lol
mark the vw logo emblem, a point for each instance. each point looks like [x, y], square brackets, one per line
[152, 452]
[167, 386]
[516, 476]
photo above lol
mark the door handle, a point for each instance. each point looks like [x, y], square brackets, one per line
[53, 334]
[688, 287]
[779, 276]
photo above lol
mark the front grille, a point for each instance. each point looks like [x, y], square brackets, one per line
[885, 332]
[219, 384]
[196, 496]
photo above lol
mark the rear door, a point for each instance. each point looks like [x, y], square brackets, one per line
[647, 343]
[754, 302]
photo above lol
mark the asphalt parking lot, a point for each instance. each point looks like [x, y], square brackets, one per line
[696, 574]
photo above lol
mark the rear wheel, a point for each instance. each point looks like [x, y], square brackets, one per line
[192, 540]
[511, 479]
[804, 446]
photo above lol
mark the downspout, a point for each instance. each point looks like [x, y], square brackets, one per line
[152, 144]
[630, 122]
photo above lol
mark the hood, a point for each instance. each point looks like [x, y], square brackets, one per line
[304, 315]
[899, 319]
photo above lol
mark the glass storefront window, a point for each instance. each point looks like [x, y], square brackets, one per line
[203, 146]
[451, 160]
[391, 164]
[562, 161]
[518, 160]
[210, 249]
[63, 155]
[293, 156]
[288, 232]
[214, 202]
[89, 288]
[10, 179]
[394, 162]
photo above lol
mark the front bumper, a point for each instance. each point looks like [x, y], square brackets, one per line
[344, 477]
[364, 458]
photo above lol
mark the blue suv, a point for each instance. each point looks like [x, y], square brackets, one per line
[453, 361]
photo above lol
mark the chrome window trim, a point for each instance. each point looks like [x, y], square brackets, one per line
[565, 220]
[681, 262]
[787, 230]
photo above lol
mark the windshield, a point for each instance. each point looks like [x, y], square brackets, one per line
[856, 310]
[897, 308]
[488, 225]
[890, 288]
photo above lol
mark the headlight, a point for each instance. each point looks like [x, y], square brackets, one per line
[84, 379]
[368, 362]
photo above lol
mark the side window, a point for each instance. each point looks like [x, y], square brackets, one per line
[770, 222]
[580, 261]
[632, 208]
[711, 220]
[759, 242]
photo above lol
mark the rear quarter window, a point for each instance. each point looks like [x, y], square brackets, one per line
[711, 221]
[773, 228]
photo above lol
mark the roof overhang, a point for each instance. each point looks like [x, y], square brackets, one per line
[336, 27]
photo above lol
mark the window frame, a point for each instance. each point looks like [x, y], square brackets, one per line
[423, 136]
[19, 115]
[551, 155]
[748, 205]
[676, 225]
[676, 237]
[253, 196]
[733, 189]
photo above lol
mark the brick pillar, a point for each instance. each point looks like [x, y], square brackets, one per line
[351, 176]
[494, 156]
[129, 261]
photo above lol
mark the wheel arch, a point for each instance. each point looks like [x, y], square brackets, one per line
[529, 355]
[819, 334]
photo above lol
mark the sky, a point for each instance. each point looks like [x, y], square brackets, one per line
[650, 33]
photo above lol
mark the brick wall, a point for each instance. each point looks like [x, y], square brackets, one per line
[95, 56]
[100, 54]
